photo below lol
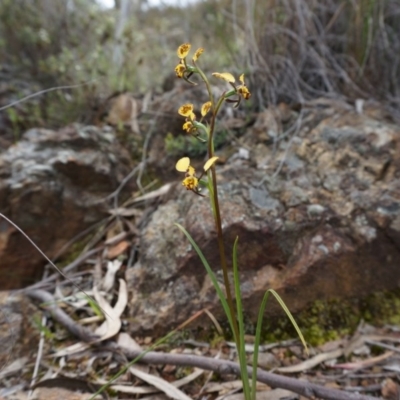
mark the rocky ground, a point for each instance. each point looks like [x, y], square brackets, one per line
[310, 191]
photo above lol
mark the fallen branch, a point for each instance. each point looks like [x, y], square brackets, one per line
[49, 304]
[301, 387]
[222, 367]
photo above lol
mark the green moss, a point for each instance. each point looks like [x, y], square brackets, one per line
[382, 308]
[321, 322]
[216, 340]
[328, 320]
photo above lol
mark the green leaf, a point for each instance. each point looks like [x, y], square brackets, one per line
[290, 316]
[240, 345]
[258, 333]
[210, 273]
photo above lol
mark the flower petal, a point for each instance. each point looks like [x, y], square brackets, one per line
[226, 76]
[190, 182]
[186, 110]
[205, 108]
[241, 79]
[190, 171]
[187, 126]
[179, 70]
[183, 164]
[183, 50]
[210, 163]
[242, 90]
[198, 53]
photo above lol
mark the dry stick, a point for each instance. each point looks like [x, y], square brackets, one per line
[37, 248]
[14, 103]
[47, 258]
[48, 302]
[303, 388]
[66, 269]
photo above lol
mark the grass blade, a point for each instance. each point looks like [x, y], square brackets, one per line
[210, 273]
[240, 340]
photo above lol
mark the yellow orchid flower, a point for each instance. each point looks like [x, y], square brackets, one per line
[226, 76]
[188, 126]
[183, 164]
[183, 50]
[242, 89]
[197, 54]
[210, 162]
[191, 182]
[179, 70]
[186, 110]
[205, 108]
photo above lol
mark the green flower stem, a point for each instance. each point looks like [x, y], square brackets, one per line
[218, 225]
[224, 265]
[205, 80]
[215, 206]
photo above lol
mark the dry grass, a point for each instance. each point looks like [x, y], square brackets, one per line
[291, 50]
[303, 49]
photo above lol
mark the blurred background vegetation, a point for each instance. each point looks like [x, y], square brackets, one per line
[291, 50]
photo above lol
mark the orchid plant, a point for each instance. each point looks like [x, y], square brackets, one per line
[204, 129]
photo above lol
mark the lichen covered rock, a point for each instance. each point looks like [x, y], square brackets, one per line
[315, 221]
[52, 184]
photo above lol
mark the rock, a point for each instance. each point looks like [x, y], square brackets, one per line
[18, 336]
[52, 184]
[326, 225]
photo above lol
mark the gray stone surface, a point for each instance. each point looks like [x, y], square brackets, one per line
[327, 225]
[51, 183]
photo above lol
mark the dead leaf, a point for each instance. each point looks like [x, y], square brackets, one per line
[364, 363]
[390, 389]
[12, 368]
[160, 384]
[148, 389]
[225, 387]
[66, 383]
[110, 327]
[154, 194]
[126, 212]
[265, 360]
[112, 240]
[312, 362]
[109, 278]
[187, 379]
[118, 249]
[59, 393]
[274, 394]
[125, 340]
[332, 345]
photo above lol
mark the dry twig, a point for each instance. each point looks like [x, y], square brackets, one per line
[301, 387]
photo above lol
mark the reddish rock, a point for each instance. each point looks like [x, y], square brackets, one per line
[318, 220]
[51, 186]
